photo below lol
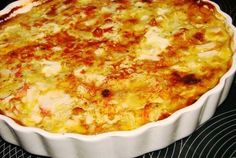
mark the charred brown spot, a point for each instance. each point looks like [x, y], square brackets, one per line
[45, 112]
[127, 34]
[17, 121]
[25, 25]
[175, 77]
[117, 46]
[199, 36]
[90, 10]
[69, 1]
[132, 21]
[164, 115]
[77, 110]
[19, 74]
[190, 79]
[106, 93]
[122, 1]
[147, 1]
[153, 22]
[109, 29]
[191, 100]
[2, 112]
[98, 32]
[108, 20]
[52, 11]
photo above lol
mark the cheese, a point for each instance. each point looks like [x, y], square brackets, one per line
[6, 73]
[206, 46]
[99, 52]
[42, 86]
[134, 102]
[110, 9]
[36, 118]
[114, 35]
[50, 28]
[50, 68]
[139, 4]
[82, 90]
[155, 113]
[88, 119]
[95, 78]
[84, 2]
[77, 71]
[208, 53]
[7, 99]
[90, 22]
[57, 48]
[32, 95]
[154, 39]
[148, 56]
[153, 45]
[162, 11]
[112, 121]
[145, 18]
[89, 77]
[54, 99]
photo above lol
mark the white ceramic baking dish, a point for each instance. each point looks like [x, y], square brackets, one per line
[150, 137]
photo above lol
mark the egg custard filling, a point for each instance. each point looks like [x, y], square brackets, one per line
[90, 66]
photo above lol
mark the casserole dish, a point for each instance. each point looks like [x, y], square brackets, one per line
[122, 144]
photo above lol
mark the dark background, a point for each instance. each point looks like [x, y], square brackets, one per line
[3, 3]
[214, 139]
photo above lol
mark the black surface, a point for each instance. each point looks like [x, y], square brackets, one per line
[214, 139]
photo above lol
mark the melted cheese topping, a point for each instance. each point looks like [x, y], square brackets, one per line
[97, 66]
[50, 68]
[153, 45]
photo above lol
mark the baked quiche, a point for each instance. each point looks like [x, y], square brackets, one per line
[90, 66]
